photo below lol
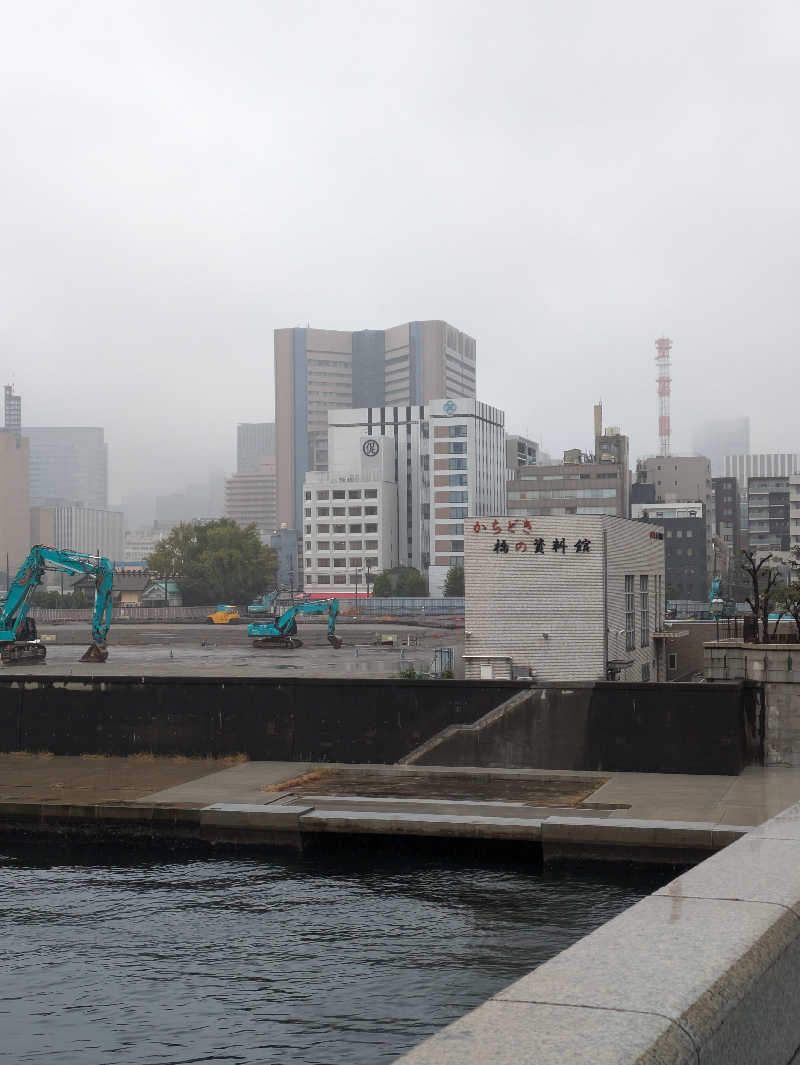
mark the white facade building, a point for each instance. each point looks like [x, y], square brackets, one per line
[446, 459]
[86, 530]
[350, 523]
[564, 599]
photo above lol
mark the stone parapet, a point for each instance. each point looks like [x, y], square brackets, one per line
[705, 970]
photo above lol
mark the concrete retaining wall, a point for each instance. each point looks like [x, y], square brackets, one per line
[777, 667]
[706, 970]
[289, 720]
[659, 728]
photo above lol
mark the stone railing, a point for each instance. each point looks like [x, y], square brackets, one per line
[705, 970]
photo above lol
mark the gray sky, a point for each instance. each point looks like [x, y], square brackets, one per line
[565, 181]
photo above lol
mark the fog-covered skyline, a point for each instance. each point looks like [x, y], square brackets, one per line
[563, 182]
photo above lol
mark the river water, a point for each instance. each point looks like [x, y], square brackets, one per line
[109, 958]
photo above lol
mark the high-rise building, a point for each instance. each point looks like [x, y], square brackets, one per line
[720, 437]
[250, 498]
[14, 503]
[69, 466]
[254, 441]
[419, 471]
[682, 479]
[768, 514]
[727, 524]
[317, 370]
[12, 411]
[87, 530]
[685, 546]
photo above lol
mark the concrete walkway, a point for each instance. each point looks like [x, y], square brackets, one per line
[647, 817]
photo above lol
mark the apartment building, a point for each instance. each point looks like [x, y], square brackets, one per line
[319, 370]
[251, 498]
[768, 521]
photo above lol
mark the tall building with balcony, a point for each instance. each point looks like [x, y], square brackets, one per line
[319, 370]
[768, 528]
[432, 465]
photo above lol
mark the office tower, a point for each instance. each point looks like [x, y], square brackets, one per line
[317, 370]
[68, 466]
[12, 411]
[251, 498]
[254, 441]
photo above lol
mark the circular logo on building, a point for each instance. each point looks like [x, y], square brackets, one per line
[449, 407]
[370, 448]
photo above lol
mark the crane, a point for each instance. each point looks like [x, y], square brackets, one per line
[282, 632]
[18, 638]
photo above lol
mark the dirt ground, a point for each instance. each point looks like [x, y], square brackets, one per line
[383, 783]
[93, 779]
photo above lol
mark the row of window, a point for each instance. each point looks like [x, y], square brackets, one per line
[644, 610]
[566, 493]
[342, 545]
[339, 493]
[341, 512]
[343, 563]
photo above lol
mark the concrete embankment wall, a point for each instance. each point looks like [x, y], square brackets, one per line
[288, 720]
[705, 970]
[777, 668]
[657, 728]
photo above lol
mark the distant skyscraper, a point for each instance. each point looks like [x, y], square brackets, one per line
[12, 420]
[719, 437]
[68, 466]
[317, 370]
[254, 442]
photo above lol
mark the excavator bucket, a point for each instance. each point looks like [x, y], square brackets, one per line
[335, 641]
[94, 653]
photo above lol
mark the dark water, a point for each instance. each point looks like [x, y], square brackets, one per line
[108, 958]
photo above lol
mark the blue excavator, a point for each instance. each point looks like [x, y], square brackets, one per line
[19, 640]
[282, 631]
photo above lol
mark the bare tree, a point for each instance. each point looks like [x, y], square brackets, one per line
[764, 580]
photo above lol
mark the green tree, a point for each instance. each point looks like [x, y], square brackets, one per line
[454, 581]
[400, 581]
[382, 586]
[215, 562]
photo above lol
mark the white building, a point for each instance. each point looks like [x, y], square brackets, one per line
[350, 523]
[140, 543]
[252, 497]
[86, 530]
[564, 598]
[444, 460]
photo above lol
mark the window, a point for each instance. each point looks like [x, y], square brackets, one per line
[457, 546]
[370, 528]
[322, 512]
[630, 632]
[340, 578]
[308, 530]
[645, 671]
[323, 579]
[338, 528]
[354, 493]
[309, 578]
[307, 512]
[457, 479]
[355, 545]
[321, 529]
[307, 495]
[323, 563]
[356, 528]
[308, 546]
[644, 614]
[338, 512]
[371, 545]
[339, 563]
[320, 495]
[370, 493]
[456, 464]
[672, 661]
[354, 512]
[323, 545]
[372, 563]
[339, 545]
[370, 510]
[338, 494]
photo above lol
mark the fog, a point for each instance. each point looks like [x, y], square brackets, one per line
[564, 181]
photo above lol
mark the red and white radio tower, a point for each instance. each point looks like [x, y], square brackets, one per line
[664, 388]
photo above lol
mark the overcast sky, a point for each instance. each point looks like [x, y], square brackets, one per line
[565, 181]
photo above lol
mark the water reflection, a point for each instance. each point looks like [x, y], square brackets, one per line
[292, 960]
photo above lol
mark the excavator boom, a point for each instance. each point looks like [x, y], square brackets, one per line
[18, 641]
